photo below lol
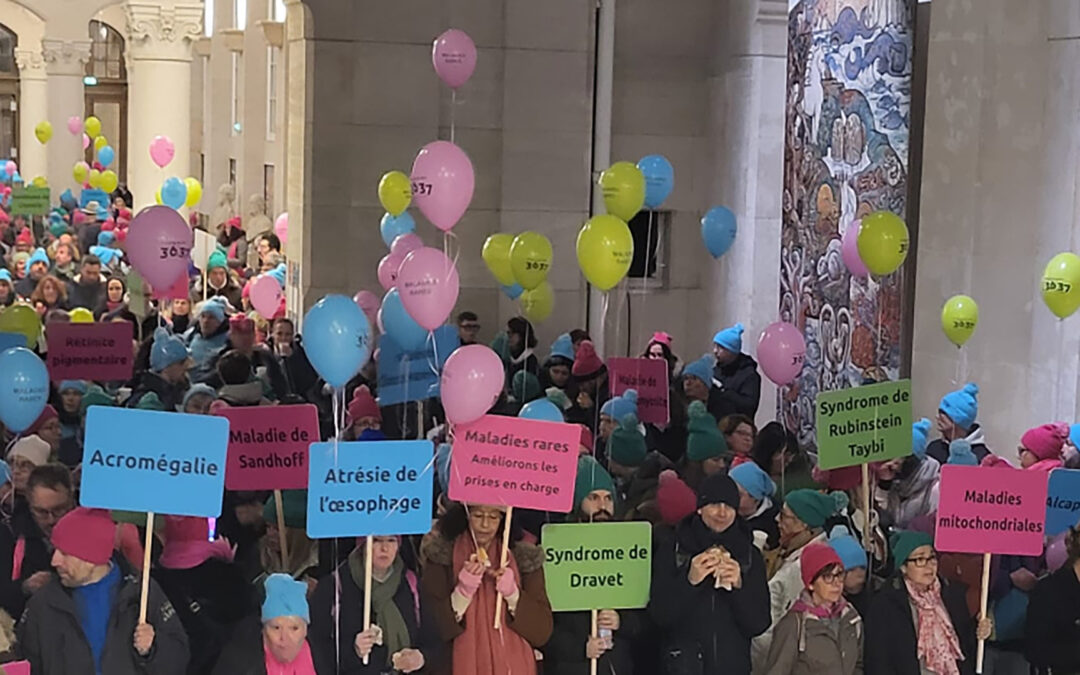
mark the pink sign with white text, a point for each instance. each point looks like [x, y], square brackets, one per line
[510, 461]
[268, 446]
[90, 351]
[991, 510]
[649, 378]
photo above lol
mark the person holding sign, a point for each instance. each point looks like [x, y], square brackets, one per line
[709, 596]
[276, 645]
[911, 483]
[1053, 615]
[402, 635]
[462, 579]
[919, 622]
[87, 619]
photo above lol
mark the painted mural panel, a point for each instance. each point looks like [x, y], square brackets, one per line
[845, 155]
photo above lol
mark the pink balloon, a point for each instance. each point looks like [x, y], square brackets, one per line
[162, 150]
[428, 284]
[470, 384]
[266, 295]
[281, 226]
[388, 270]
[159, 245]
[781, 351]
[85, 141]
[849, 251]
[74, 125]
[369, 303]
[404, 244]
[454, 56]
[1056, 554]
[442, 183]
[10, 168]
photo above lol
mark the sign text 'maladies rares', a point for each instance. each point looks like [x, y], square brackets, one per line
[268, 446]
[597, 565]
[649, 377]
[864, 424]
[90, 351]
[991, 510]
[165, 462]
[515, 462]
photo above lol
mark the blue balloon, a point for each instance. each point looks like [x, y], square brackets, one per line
[392, 227]
[337, 339]
[718, 230]
[16, 178]
[541, 409]
[24, 388]
[659, 179]
[173, 192]
[408, 334]
[513, 291]
[106, 155]
[446, 341]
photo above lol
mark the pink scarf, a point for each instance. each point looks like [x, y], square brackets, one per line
[938, 646]
[806, 605]
[301, 665]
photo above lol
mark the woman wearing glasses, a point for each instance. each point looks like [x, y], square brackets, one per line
[919, 622]
[821, 633]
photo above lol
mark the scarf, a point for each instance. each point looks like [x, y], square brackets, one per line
[805, 605]
[938, 646]
[93, 605]
[385, 612]
[301, 665]
[480, 649]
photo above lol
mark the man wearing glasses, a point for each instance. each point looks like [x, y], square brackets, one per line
[468, 327]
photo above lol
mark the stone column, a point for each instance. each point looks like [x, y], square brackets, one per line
[65, 65]
[33, 108]
[159, 52]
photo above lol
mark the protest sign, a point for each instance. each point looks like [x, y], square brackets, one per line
[864, 424]
[163, 462]
[1062, 501]
[90, 351]
[649, 378]
[268, 446]
[369, 488]
[94, 195]
[29, 201]
[204, 245]
[515, 462]
[991, 510]
[9, 340]
[16, 668]
[409, 375]
[597, 565]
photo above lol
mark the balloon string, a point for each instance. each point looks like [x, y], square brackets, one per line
[453, 112]
[435, 352]
[644, 330]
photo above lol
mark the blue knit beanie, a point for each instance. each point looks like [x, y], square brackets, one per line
[38, 256]
[166, 350]
[285, 597]
[5, 275]
[702, 369]
[919, 433]
[74, 385]
[195, 390]
[105, 238]
[851, 553]
[962, 406]
[214, 307]
[1074, 435]
[730, 338]
[279, 274]
[619, 407]
[751, 478]
[960, 453]
[563, 347]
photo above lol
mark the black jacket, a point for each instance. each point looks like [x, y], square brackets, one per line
[243, 655]
[939, 449]
[1053, 623]
[170, 395]
[702, 624]
[36, 557]
[89, 295]
[740, 387]
[564, 654]
[891, 646]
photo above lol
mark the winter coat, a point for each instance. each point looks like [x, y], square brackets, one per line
[914, 495]
[939, 447]
[764, 520]
[322, 635]
[24, 550]
[565, 651]
[1053, 623]
[739, 384]
[231, 291]
[205, 350]
[891, 637]
[89, 295]
[639, 495]
[300, 375]
[804, 644]
[703, 628]
[785, 586]
[51, 638]
[243, 655]
[169, 396]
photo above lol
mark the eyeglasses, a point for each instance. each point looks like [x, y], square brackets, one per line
[923, 561]
[470, 326]
[52, 514]
[832, 577]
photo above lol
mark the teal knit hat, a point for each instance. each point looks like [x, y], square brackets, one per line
[524, 387]
[703, 438]
[217, 259]
[591, 476]
[294, 503]
[903, 542]
[626, 445]
[813, 507]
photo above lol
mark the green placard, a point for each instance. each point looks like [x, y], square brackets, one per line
[30, 201]
[864, 424]
[597, 565]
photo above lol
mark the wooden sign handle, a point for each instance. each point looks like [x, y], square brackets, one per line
[503, 559]
[147, 545]
[592, 662]
[983, 597]
[282, 539]
[368, 551]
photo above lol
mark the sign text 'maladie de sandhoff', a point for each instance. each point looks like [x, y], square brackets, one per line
[864, 424]
[991, 510]
[90, 351]
[649, 378]
[268, 446]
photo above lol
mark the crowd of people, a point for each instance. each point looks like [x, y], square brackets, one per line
[761, 562]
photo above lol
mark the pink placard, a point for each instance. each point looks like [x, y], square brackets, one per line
[178, 291]
[515, 462]
[16, 668]
[268, 446]
[649, 377]
[90, 351]
[991, 510]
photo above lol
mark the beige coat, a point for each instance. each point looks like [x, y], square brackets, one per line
[806, 645]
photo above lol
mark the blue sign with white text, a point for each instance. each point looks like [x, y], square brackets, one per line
[409, 376]
[369, 488]
[94, 195]
[1062, 501]
[165, 462]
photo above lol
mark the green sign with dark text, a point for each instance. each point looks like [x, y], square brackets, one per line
[597, 565]
[864, 424]
[30, 201]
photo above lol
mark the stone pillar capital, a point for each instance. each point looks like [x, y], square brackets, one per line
[160, 31]
[31, 63]
[65, 57]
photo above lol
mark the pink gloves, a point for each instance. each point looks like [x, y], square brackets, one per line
[507, 584]
[468, 583]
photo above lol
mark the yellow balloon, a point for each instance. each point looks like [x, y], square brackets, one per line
[157, 196]
[530, 259]
[883, 242]
[1061, 284]
[623, 186]
[108, 180]
[496, 255]
[605, 249]
[536, 305]
[194, 191]
[39, 182]
[395, 192]
[94, 178]
[99, 143]
[80, 171]
[43, 131]
[81, 315]
[92, 126]
[959, 317]
[21, 319]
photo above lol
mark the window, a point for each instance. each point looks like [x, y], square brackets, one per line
[208, 18]
[271, 92]
[268, 188]
[240, 14]
[234, 94]
[232, 172]
[276, 10]
[649, 264]
[106, 53]
[9, 94]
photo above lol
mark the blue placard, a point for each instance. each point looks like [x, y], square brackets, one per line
[165, 462]
[94, 195]
[9, 340]
[1062, 501]
[409, 376]
[369, 488]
